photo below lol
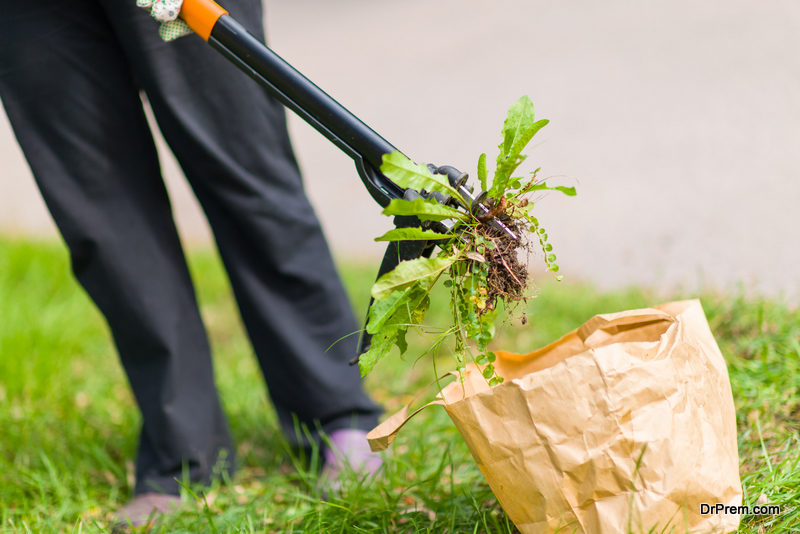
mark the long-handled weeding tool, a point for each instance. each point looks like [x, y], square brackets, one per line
[213, 23]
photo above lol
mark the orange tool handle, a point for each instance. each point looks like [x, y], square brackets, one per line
[201, 16]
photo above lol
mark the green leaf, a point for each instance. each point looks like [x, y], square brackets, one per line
[488, 371]
[482, 171]
[518, 129]
[379, 347]
[482, 337]
[401, 307]
[400, 340]
[411, 234]
[408, 174]
[382, 310]
[389, 320]
[409, 271]
[425, 209]
[569, 191]
[518, 120]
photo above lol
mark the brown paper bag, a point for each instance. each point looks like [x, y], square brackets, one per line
[622, 425]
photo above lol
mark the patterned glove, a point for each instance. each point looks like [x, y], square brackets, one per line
[166, 12]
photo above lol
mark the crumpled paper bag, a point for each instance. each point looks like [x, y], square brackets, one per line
[622, 425]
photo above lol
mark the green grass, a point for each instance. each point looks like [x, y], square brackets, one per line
[69, 423]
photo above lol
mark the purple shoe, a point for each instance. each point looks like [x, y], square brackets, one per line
[143, 510]
[348, 451]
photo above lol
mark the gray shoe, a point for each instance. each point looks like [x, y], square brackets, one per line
[348, 451]
[144, 509]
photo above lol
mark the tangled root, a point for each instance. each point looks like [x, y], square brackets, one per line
[507, 278]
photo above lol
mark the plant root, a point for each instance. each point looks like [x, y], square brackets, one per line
[508, 276]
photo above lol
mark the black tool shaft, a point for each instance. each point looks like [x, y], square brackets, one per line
[302, 96]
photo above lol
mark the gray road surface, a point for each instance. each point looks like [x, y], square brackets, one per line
[678, 121]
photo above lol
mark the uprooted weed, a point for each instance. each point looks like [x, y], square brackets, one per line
[478, 261]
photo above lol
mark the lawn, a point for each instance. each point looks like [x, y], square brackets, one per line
[69, 423]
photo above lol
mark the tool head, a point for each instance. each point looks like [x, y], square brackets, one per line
[476, 203]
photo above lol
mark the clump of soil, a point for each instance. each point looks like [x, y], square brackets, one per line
[508, 276]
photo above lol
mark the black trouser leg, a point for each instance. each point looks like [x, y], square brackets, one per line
[230, 138]
[67, 88]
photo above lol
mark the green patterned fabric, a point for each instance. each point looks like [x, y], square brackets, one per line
[166, 12]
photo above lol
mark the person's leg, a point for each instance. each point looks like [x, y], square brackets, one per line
[75, 109]
[231, 140]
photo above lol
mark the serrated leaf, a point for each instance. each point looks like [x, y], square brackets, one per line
[482, 171]
[405, 173]
[411, 234]
[522, 141]
[409, 271]
[518, 119]
[424, 209]
[518, 129]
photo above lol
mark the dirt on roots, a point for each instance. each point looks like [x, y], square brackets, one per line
[508, 276]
